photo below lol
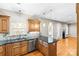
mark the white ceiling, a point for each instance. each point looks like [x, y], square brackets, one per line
[65, 12]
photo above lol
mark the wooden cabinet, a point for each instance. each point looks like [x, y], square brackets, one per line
[53, 49]
[4, 24]
[13, 49]
[24, 47]
[2, 50]
[34, 25]
[43, 47]
[77, 10]
[16, 49]
[8, 49]
[48, 49]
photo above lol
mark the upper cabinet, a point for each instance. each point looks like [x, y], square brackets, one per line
[4, 24]
[34, 25]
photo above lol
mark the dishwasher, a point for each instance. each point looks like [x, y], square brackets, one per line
[31, 45]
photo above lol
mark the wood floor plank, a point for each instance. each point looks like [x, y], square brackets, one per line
[67, 47]
[34, 53]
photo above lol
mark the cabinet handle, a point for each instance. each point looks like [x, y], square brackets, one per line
[15, 46]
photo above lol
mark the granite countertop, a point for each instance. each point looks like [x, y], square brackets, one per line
[17, 38]
[2, 42]
[48, 39]
[43, 38]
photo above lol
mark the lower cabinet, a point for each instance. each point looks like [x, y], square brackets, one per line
[17, 48]
[53, 49]
[2, 50]
[47, 49]
[43, 49]
[23, 50]
[8, 49]
[13, 49]
[16, 51]
[24, 47]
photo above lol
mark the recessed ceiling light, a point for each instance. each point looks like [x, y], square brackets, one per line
[51, 10]
[19, 10]
[18, 3]
[44, 13]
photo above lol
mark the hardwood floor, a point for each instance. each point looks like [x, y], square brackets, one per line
[65, 47]
[72, 46]
[34, 53]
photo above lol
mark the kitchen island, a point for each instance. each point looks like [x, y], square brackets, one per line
[46, 47]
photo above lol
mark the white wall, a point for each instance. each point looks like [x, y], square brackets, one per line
[18, 22]
[57, 28]
[73, 30]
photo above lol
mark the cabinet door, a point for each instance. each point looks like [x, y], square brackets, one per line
[41, 48]
[2, 50]
[4, 24]
[16, 51]
[34, 25]
[24, 47]
[31, 26]
[24, 50]
[45, 48]
[8, 49]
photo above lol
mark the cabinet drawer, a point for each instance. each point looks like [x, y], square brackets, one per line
[2, 53]
[24, 43]
[17, 44]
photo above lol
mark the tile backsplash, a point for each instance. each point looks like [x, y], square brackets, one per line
[1, 37]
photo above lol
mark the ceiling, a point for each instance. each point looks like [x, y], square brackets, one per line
[65, 12]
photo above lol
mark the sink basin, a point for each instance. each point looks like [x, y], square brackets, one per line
[50, 40]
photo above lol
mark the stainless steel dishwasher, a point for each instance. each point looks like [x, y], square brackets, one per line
[31, 45]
